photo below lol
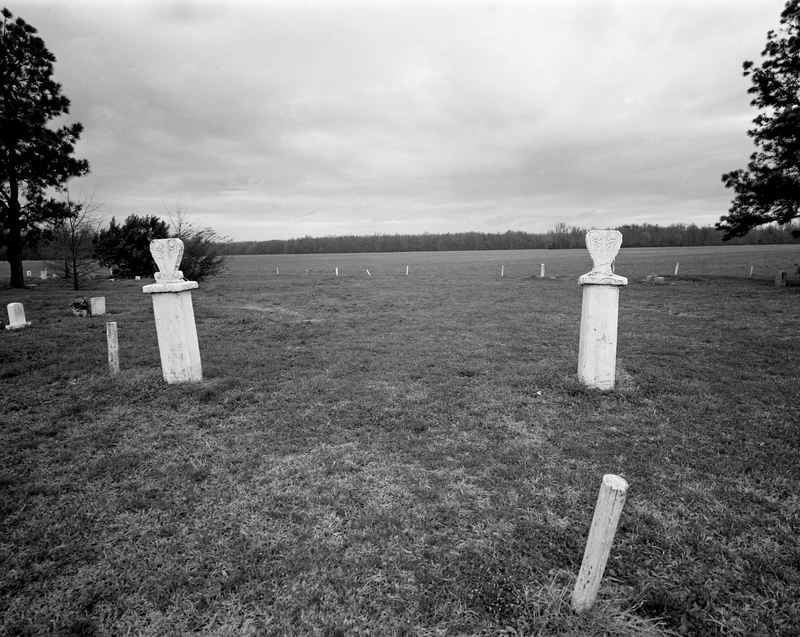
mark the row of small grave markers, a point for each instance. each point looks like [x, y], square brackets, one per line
[16, 312]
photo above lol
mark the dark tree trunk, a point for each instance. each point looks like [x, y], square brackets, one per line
[14, 257]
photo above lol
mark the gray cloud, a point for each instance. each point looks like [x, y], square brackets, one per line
[280, 119]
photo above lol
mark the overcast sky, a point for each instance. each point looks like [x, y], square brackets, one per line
[282, 119]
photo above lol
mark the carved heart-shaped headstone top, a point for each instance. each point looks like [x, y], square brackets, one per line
[167, 253]
[603, 246]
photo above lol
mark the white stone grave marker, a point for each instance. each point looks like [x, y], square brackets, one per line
[174, 315]
[97, 306]
[597, 355]
[16, 317]
[113, 348]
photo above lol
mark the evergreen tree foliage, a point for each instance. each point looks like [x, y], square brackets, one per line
[34, 158]
[126, 247]
[768, 190]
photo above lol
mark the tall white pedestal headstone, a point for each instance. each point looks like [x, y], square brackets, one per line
[16, 317]
[597, 356]
[97, 305]
[174, 315]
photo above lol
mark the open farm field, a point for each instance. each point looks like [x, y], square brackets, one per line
[406, 455]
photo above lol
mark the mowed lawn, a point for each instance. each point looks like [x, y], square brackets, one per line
[382, 454]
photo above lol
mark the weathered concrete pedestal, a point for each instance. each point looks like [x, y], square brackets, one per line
[174, 315]
[597, 354]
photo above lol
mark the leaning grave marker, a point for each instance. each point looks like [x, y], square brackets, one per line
[174, 315]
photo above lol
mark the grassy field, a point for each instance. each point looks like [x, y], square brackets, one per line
[392, 455]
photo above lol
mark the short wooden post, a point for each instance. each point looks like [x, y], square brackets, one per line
[368, 274]
[113, 348]
[750, 276]
[337, 271]
[677, 265]
[277, 271]
[610, 501]
[406, 270]
[502, 271]
[780, 278]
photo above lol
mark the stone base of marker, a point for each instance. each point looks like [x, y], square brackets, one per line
[176, 330]
[16, 317]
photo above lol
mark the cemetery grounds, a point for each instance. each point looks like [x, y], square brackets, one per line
[382, 454]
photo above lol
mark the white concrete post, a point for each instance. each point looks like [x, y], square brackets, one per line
[174, 315]
[677, 266]
[541, 272]
[16, 317]
[113, 348]
[752, 267]
[97, 305]
[610, 501]
[597, 354]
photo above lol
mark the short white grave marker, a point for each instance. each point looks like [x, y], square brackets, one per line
[16, 317]
[28, 273]
[97, 306]
[541, 272]
[174, 315]
[609, 505]
[113, 348]
[43, 274]
[597, 355]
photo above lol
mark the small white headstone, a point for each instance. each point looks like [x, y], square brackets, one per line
[137, 278]
[16, 317]
[28, 273]
[43, 274]
[97, 305]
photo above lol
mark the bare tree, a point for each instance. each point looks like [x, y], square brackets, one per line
[70, 244]
[201, 255]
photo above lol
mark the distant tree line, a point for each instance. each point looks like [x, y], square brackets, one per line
[560, 237]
